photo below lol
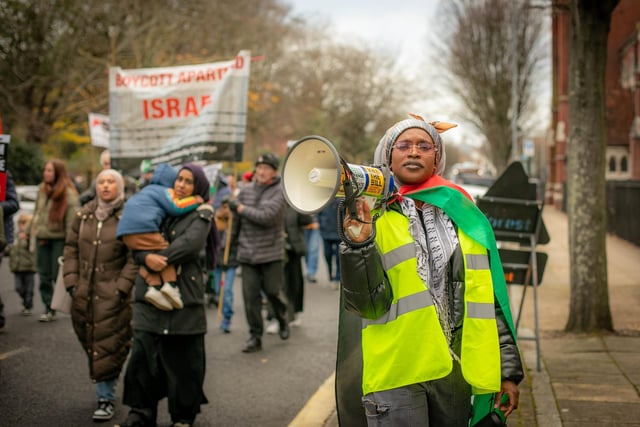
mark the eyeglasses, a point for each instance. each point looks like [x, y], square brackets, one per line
[423, 146]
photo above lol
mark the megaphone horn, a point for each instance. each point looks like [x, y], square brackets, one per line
[313, 174]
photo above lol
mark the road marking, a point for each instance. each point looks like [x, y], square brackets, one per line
[8, 354]
[319, 408]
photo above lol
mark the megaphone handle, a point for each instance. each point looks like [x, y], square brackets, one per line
[349, 199]
[343, 234]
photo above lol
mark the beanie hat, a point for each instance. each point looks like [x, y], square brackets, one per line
[268, 159]
[145, 166]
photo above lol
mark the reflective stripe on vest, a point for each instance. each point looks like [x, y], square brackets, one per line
[407, 345]
[480, 352]
[402, 306]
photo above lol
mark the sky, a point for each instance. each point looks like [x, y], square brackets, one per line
[398, 26]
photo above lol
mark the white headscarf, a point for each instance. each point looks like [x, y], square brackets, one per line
[104, 208]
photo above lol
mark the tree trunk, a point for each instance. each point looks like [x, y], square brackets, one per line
[589, 309]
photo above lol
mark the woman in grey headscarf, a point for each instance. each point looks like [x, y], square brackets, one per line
[425, 298]
[99, 274]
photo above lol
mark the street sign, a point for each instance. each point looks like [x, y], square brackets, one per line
[517, 263]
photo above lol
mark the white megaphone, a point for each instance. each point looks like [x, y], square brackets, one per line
[313, 174]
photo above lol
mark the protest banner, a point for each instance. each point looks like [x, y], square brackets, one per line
[178, 114]
[99, 130]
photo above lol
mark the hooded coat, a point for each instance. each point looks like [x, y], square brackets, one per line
[187, 236]
[145, 210]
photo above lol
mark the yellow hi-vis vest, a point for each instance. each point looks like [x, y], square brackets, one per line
[407, 345]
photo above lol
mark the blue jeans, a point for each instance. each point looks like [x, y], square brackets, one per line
[227, 302]
[312, 240]
[106, 390]
[332, 257]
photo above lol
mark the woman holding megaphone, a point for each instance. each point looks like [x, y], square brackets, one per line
[424, 302]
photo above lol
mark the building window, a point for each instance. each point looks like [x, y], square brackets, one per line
[623, 164]
[612, 164]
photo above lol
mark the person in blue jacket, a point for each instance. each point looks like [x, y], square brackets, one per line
[139, 229]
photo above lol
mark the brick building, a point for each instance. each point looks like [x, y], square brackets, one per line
[622, 94]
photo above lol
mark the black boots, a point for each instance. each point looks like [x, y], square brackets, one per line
[253, 344]
[284, 330]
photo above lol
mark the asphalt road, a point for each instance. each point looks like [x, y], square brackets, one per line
[44, 377]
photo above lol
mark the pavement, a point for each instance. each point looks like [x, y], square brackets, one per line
[584, 380]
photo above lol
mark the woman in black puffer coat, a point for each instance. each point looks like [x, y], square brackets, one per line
[168, 354]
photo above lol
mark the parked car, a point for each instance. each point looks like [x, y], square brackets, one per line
[475, 185]
[27, 195]
[475, 179]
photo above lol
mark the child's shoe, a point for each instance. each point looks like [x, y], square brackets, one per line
[157, 298]
[26, 312]
[172, 293]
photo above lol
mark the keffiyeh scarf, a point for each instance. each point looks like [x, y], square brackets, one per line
[435, 240]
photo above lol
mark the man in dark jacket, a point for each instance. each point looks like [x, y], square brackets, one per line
[294, 282]
[10, 205]
[259, 236]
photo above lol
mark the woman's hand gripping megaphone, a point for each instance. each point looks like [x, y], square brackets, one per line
[359, 229]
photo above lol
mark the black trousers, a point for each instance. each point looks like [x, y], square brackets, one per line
[171, 366]
[268, 278]
[294, 284]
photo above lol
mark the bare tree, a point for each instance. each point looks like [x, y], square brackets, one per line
[55, 54]
[589, 307]
[474, 56]
[345, 92]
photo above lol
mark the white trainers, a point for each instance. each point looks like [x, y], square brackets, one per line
[272, 328]
[47, 317]
[158, 299]
[172, 293]
[104, 412]
[297, 321]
